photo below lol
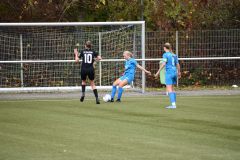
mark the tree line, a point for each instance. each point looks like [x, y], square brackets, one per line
[159, 14]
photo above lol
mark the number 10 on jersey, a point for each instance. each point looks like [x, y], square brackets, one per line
[88, 58]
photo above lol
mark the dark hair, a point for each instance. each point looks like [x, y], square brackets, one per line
[88, 44]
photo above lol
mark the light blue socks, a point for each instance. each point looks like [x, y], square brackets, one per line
[172, 97]
[114, 89]
[120, 91]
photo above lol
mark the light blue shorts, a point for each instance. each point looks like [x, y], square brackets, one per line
[128, 78]
[171, 78]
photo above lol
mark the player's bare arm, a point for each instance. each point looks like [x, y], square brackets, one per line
[179, 71]
[143, 69]
[161, 67]
[98, 58]
[76, 55]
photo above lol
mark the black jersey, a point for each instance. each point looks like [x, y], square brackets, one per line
[88, 56]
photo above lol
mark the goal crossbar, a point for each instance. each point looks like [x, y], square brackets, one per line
[73, 23]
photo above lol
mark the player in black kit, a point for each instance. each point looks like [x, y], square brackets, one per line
[87, 70]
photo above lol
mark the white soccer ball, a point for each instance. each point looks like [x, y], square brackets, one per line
[106, 98]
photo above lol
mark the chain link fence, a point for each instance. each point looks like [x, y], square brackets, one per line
[201, 43]
[186, 44]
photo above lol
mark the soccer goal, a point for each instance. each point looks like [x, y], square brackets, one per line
[39, 56]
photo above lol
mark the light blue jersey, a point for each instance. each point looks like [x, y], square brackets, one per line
[130, 67]
[171, 61]
[171, 69]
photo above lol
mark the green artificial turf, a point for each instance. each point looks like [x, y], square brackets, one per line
[201, 128]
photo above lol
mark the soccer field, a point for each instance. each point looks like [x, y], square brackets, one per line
[201, 128]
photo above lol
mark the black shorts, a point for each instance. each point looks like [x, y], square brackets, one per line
[87, 72]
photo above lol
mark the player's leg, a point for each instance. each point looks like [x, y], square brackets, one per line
[83, 90]
[114, 89]
[94, 89]
[120, 89]
[95, 92]
[83, 77]
[172, 96]
[170, 81]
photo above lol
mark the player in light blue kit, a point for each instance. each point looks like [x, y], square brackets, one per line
[170, 62]
[128, 76]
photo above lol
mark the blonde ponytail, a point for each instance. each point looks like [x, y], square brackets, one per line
[128, 53]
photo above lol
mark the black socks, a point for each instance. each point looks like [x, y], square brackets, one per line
[95, 93]
[83, 90]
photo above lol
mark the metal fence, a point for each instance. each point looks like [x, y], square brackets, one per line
[186, 44]
[201, 43]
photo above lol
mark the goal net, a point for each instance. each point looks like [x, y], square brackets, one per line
[39, 56]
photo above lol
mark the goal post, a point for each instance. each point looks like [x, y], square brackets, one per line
[39, 56]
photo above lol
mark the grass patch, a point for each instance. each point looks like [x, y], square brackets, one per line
[202, 127]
